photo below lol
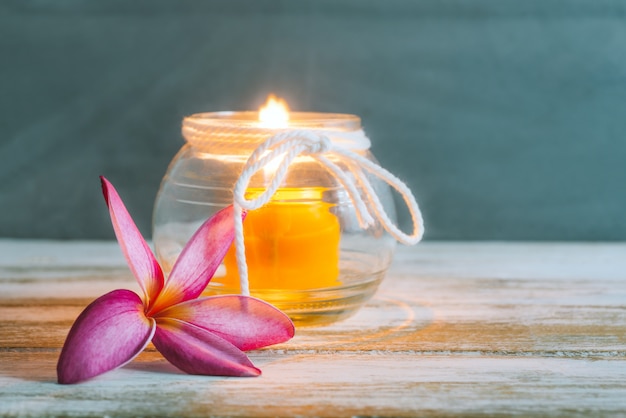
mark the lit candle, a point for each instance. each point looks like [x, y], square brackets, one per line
[319, 233]
[291, 243]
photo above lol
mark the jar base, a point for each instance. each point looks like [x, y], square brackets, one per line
[316, 307]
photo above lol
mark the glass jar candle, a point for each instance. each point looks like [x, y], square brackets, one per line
[306, 251]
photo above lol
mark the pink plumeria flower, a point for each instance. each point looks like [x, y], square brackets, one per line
[199, 336]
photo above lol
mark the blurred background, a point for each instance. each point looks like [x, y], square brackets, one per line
[507, 118]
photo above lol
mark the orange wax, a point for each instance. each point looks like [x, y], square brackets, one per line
[292, 243]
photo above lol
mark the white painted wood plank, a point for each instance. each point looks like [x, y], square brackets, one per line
[331, 384]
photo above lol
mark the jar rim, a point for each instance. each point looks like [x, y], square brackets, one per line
[298, 120]
[241, 132]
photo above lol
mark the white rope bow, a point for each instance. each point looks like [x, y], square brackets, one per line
[286, 147]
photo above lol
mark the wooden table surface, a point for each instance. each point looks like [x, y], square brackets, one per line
[467, 329]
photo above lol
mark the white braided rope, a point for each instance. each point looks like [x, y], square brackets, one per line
[286, 147]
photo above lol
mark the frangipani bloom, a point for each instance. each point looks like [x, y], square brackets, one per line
[199, 336]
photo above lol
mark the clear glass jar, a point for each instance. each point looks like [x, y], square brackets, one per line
[306, 252]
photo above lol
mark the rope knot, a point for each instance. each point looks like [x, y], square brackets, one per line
[316, 144]
[352, 174]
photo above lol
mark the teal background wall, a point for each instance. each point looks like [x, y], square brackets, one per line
[506, 118]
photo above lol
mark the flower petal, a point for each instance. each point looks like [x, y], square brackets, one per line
[197, 351]
[109, 333]
[246, 322]
[137, 252]
[198, 261]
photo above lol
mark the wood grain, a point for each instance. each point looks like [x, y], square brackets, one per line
[457, 329]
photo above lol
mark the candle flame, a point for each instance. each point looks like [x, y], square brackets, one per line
[274, 114]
